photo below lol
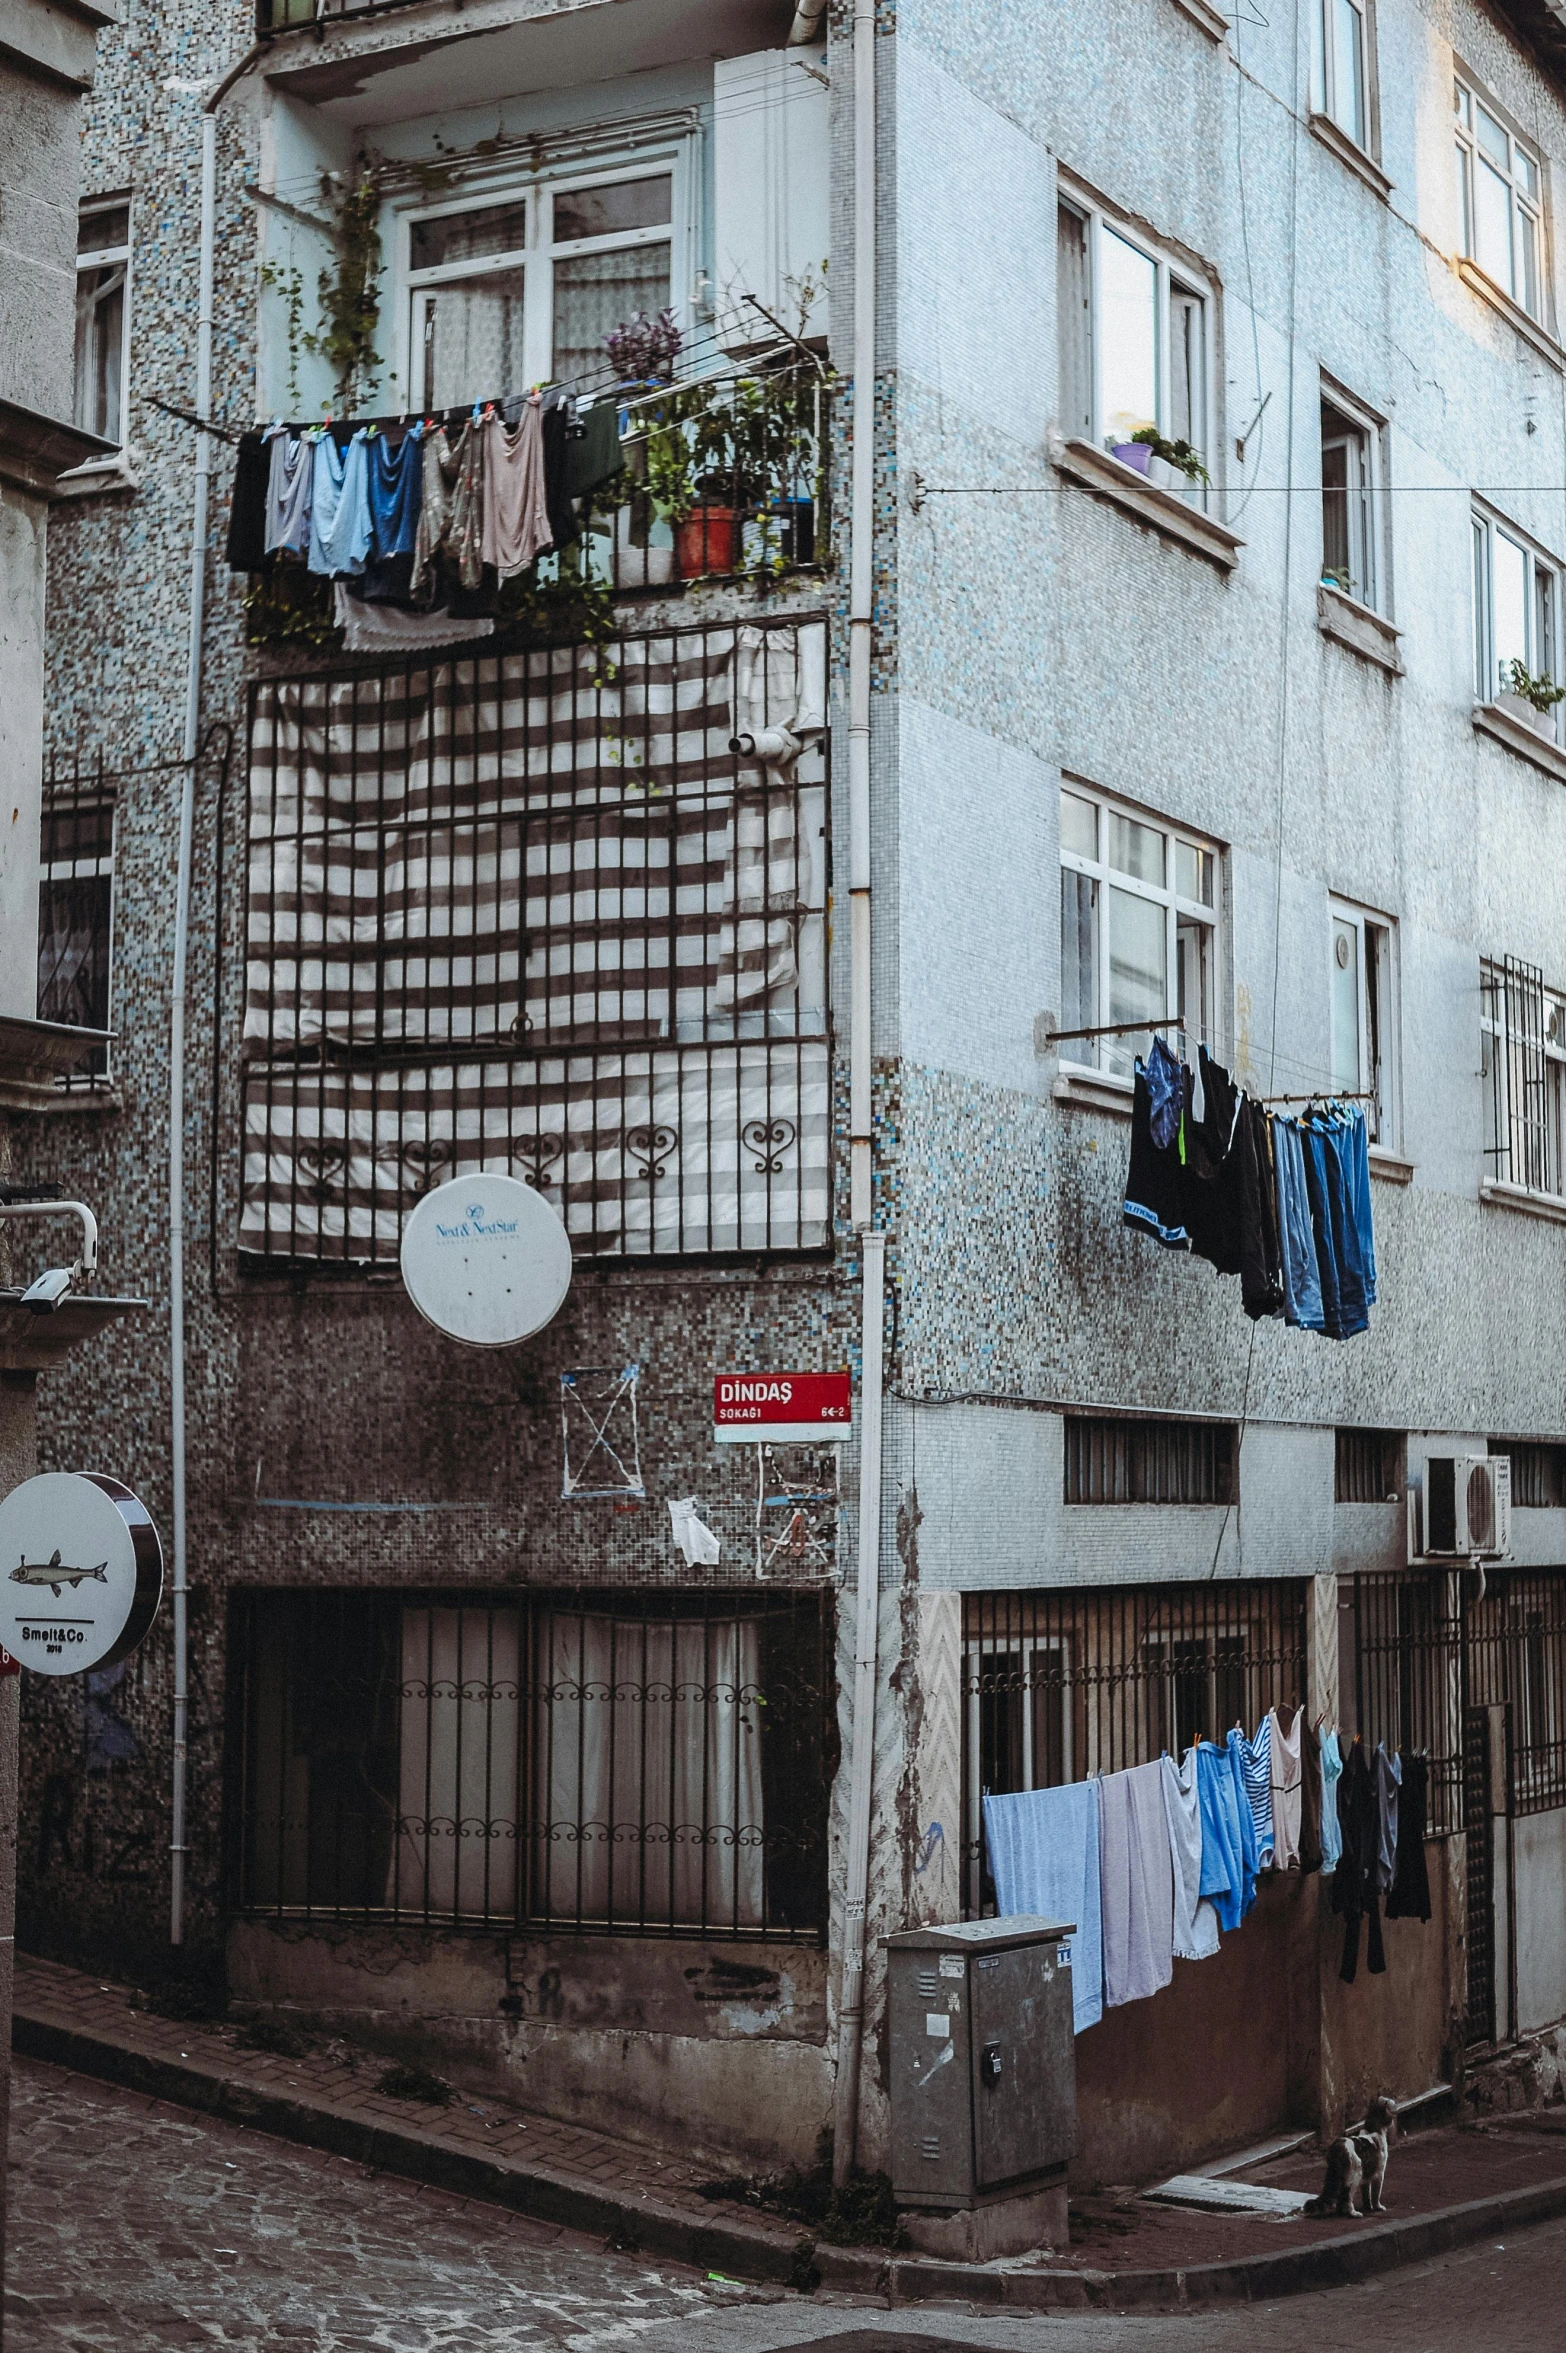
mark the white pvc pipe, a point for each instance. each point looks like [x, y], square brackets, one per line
[187, 813]
[806, 26]
[850, 2015]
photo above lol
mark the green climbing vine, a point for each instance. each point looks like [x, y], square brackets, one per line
[349, 288]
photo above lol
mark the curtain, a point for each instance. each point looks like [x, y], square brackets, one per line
[647, 1771]
[456, 1850]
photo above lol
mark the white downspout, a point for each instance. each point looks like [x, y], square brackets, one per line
[861, 590]
[806, 26]
[187, 812]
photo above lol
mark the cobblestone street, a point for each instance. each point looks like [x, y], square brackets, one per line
[134, 2225]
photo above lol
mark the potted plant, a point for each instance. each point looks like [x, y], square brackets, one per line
[717, 453]
[1134, 449]
[1530, 699]
[642, 350]
[1172, 465]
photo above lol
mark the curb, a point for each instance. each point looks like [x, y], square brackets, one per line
[749, 2250]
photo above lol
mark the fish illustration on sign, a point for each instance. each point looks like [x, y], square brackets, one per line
[54, 1575]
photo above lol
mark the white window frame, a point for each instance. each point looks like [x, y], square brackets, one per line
[1112, 1058]
[103, 257]
[1375, 1073]
[1506, 1064]
[81, 866]
[1544, 640]
[1374, 590]
[667, 159]
[1328, 73]
[1525, 205]
[1171, 272]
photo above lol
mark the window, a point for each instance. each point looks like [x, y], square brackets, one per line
[76, 910]
[1063, 1684]
[1364, 1028]
[1133, 335]
[1367, 1466]
[522, 290]
[1523, 1067]
[1500, 190]
[1343, 49]
[621, 1764]
[102, 316]
[1109, 1460]
[1138, 931]
[1516, 612]
[1350, 508]
[1400, 1676]
[1538, 1472]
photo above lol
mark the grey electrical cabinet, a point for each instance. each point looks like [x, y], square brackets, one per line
[983, 2066]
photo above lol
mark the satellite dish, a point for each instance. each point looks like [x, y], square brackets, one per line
[486, 1260]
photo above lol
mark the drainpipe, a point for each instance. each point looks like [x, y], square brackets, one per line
[187, 811]
[850, 2030]
[806, 26]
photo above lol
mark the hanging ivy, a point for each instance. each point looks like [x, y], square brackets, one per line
[349, 288]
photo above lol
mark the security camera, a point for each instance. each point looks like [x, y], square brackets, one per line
[44, 1296]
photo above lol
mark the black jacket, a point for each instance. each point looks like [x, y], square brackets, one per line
[1354, 1880]
[1408, 1898]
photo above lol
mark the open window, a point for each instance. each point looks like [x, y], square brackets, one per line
[1134, 341]
[103, 256]
[1352, 559]
[1363, 983]
[1138, 931]
[1517, 622]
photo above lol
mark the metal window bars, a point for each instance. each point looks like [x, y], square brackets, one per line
[605, 1762]
[1523, 1049]
[76, 906]
[533, 911]
[1060, 1685]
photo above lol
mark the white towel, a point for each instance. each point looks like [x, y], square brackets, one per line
[1288, 1791]
[1195, 1922]
[1043, 1853]
[1136, 1883]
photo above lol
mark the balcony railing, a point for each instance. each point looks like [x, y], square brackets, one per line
[283, 16]
[542, 911]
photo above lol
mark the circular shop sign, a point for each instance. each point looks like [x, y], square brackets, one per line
[81, 1571]
[486, 1260]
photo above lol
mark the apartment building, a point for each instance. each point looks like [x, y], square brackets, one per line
[1253, 743]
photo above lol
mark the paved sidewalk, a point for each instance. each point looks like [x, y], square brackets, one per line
[1446, 2187]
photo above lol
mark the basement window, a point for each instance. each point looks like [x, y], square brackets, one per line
[1110, 1460]
[1367, 1466]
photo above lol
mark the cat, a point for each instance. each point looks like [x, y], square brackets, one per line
[1360, 2156]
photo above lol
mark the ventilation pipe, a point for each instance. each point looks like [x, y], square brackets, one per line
[872, 1242]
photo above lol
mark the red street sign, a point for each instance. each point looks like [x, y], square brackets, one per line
[753, 1409]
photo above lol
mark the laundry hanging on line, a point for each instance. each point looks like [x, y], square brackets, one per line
[1283, 1203]
[1150, 1864]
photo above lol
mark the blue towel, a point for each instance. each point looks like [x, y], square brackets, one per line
[1223, 1864]
[340, 532]
[1250, 1855]
[1043, 1853]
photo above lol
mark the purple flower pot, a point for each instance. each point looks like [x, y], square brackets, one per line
[1134, 454]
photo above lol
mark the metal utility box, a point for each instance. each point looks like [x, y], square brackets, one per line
[983, 2064]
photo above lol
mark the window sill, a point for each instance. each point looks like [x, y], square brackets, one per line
[1095, 470]
[1477, 282]
[1519, 737]
[1504, 1196]
[1339, 143]
[1348, 622]
[1390, 1167]
[1201, 13]
[44, 1099]
[1090, 1090]
[98, 479]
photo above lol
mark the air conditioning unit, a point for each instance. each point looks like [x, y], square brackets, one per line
[1462, 1508]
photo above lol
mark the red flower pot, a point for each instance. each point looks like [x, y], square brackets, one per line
[707, 541]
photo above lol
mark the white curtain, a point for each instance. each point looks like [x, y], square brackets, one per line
[456, 1850]
[647, 1771]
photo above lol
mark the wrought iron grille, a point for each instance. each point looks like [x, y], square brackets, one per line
[1110, 1460]
[1516, 1657]
[76, 907]
[1367, 1466]
[1058, 1686]
[1479, 1876]
[546, 911]
[1407, 1688]
[614, 1763]
[1538, 1472]
[1523, 1059]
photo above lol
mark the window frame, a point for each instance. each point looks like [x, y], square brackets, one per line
[1374, 592]
[67, 802]
[1525, 1064]
[102, 257]
[1326, 68]
[1376, 991]
[1486, 524]
[1097, 1058]
[667, 158]
[1534, 205]
[1171, 269]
